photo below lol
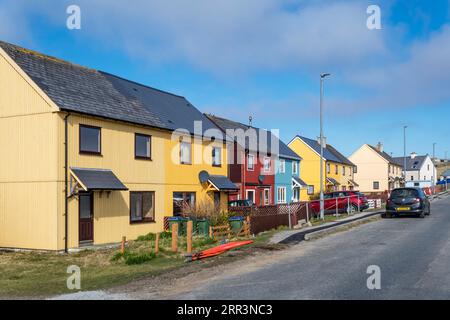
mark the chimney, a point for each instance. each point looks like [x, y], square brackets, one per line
[380, 147]
[413, 155]
[324, 141]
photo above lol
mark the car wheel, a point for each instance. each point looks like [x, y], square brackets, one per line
[352, 209]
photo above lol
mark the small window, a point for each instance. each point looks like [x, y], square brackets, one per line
[282, 166]
[90, 139]
[343, 170]
[294, 167]
[310, 190]
[142, 146]
[185, 152]
[328, 168]
[266, 164]
[251, 195]
[216, 156]
[142, 207]
[250, 162]
[296, 195]
[336, 169]
[376, 185]
[281, 192]
[412, 178]
[355, 169]
[266, 197]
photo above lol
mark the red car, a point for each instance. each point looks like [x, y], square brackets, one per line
[347, 201]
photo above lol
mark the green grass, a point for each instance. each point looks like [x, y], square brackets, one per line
[33, 274]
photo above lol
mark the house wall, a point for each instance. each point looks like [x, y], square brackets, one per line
[285, 179]
[372, 167]
[28, 175]
[160, 175]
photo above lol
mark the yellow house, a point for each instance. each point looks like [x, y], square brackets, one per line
[377, 170]
[337, 169]
[89, 157]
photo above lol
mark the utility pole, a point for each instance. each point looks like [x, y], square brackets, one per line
[322, 207]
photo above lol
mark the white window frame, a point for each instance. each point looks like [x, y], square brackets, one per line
[294, 191]
[250, 191]
[294, 167]
[216, 155]
[266, 197]
[188, 146]
[252, 168]
[266, 160]
[281, 194]
[281, 166]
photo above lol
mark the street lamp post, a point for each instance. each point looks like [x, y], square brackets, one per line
[404, 154]
[434, 168]
[322, 207]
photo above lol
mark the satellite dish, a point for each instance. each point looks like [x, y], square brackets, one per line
[261, 178]
[203, 176]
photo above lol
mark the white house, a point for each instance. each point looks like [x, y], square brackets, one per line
[420, 170]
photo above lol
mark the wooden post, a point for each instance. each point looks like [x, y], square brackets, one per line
[157, 243]
[190, 226]
[211, 235]
[248, 225]
[175, 237]
[122, 247]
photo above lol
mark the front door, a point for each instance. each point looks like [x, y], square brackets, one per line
[86, 213]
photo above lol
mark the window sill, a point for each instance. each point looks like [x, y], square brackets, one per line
[91, 153]
[217, 165]
[143, 158]
[186, 163]
[142, 222]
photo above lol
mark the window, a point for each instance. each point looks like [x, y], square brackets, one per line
[85, 205]
[142, 146]
[142, 206]
[185, 152]
[310, 190]
[336, 169]
[266, 196]
[250, 162]
[376, 185]
[216, 156]
[412, 178]
[281, 193]
[355, 169]
[328, 168]
[90, 139]
[295, 167]
[344, 188]
[428, 167]
[183, 202]
[296, 195]
[251, 195]
[282, 166]
[343, 170]
[266, 164]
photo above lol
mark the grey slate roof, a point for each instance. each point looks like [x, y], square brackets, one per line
[98, 179]
[283, 152]
[383, 154]
[222, 183]
[75, 88]
[411, 164]
[329, 152]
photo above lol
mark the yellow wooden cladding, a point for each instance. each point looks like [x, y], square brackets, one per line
[32, 201]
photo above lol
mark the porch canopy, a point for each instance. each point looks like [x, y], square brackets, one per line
[353, 183]
[332, 182]
[222, 183]
[298, 183]
[97, 179]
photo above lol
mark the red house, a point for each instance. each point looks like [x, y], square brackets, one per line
[251, 164]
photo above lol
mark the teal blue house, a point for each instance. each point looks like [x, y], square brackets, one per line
[288, 184]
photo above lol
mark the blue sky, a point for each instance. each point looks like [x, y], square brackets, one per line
[263, 57]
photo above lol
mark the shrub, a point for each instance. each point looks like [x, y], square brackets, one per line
[152, 236]
[138, 258]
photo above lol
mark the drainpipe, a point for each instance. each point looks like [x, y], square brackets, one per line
[66, 181]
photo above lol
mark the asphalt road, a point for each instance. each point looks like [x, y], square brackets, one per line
[413, 256]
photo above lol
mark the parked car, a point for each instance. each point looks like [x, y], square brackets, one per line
[347, 201]
[241, 203]
[408, 201]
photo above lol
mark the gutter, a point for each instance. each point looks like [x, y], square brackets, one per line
[66, 182]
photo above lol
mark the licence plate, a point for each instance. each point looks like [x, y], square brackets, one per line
[403, 208]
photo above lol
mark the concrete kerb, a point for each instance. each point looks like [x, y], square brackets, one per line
[314, 232]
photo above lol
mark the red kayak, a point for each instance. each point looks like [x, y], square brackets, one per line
[219, 249]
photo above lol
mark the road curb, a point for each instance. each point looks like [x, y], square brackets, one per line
[321, 230]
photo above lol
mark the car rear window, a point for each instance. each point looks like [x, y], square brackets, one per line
[405, 193]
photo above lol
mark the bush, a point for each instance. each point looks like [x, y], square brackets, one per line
[152, 236]
[138, 258]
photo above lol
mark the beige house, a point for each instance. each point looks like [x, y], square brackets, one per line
[376, 170]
